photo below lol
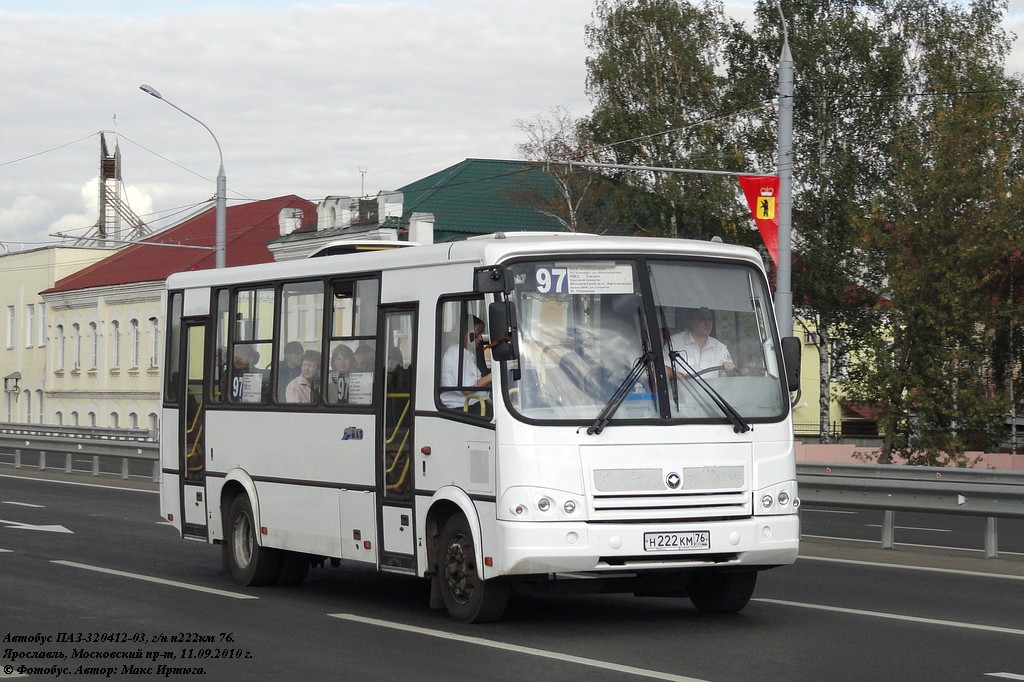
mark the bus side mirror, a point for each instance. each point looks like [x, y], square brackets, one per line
[501, 318]
[791, 348]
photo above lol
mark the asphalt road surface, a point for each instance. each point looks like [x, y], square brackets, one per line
[94, 586]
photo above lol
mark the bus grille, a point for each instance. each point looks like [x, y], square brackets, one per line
[643, 494]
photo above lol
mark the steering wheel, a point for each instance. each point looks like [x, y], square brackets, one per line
[717, 368]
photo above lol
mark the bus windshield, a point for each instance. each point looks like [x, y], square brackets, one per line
[692, 339]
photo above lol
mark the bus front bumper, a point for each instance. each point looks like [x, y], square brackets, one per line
[530, 548]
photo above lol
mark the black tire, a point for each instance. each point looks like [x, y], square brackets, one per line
[250, 563]
[723, 592]
[467, 597]
[294, 567]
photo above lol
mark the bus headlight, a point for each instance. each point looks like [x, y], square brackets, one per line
[538, 504]
[776, 499]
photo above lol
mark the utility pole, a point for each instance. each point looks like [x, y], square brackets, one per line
[783, 273]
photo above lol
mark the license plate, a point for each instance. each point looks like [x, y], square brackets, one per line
[677, 542]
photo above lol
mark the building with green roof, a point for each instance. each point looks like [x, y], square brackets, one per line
[483, 196]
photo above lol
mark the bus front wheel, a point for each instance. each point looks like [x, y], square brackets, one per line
[467, 597]
[722, 591]
[250, 563]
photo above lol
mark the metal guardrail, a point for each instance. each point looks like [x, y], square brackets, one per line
[887, 487]
[71, 441]
[938, 490]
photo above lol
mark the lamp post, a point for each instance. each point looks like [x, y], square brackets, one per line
[783, 273]
[222, 183]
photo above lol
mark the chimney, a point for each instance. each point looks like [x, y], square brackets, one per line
[421, 228]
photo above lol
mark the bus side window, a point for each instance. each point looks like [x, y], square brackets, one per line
[300, 332]
[352, 342]
[464, 379]
[251, 347]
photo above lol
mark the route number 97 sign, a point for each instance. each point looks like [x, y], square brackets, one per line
[584, 278]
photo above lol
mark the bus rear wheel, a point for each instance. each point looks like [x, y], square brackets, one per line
[250, 564]
[467, 597]
[722, 591]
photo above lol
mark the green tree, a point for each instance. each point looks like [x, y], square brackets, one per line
[849, 67]
[938, 232]
[655, 80]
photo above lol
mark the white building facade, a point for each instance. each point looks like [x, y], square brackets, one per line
[24, 357]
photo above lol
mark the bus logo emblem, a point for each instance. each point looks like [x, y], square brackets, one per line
[673, 480]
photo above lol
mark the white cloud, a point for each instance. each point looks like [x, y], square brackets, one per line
[19, 214]
[300, 98]
[300, 95]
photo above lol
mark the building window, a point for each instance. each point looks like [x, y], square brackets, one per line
[74, 418]
[133, 421]
[59, 417]
[154, 342]
[30, 325]
[115, 344]
[42, 324]
[60, 347]
[10, 326]
[39, 405]
[28, 406]
[94, 346]
[76, 345]
[113, 420]
[133, 343]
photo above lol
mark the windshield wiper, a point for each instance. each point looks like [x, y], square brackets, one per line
[620, 393]
[738, 424]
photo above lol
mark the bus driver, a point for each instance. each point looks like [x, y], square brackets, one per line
[470, 377]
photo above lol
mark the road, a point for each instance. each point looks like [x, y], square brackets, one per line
[93, 569]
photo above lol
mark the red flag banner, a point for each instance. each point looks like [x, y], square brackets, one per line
[762, 194]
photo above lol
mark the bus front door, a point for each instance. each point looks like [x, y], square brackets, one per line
[394, 443]
[192, 457]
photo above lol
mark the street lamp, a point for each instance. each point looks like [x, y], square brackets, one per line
[783, 273]
[222, 182]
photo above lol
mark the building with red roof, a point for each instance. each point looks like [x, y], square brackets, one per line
[106, 320]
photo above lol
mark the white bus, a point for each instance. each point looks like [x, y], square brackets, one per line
[519, 412]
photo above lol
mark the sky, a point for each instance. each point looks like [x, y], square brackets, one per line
[313, 98]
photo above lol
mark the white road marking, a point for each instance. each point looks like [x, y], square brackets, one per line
[23, 504]
[84, 485]
[159, 581]
[17, 525]
[967, 550]
[1006, 676]
[514, 648]
[894, 616]
[926, 569]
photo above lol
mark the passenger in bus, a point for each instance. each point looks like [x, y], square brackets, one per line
[248, 383]
[364, 358]
[305, 387]
[469, 378]
[289, 368]
[342, 362]
[698, 348]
